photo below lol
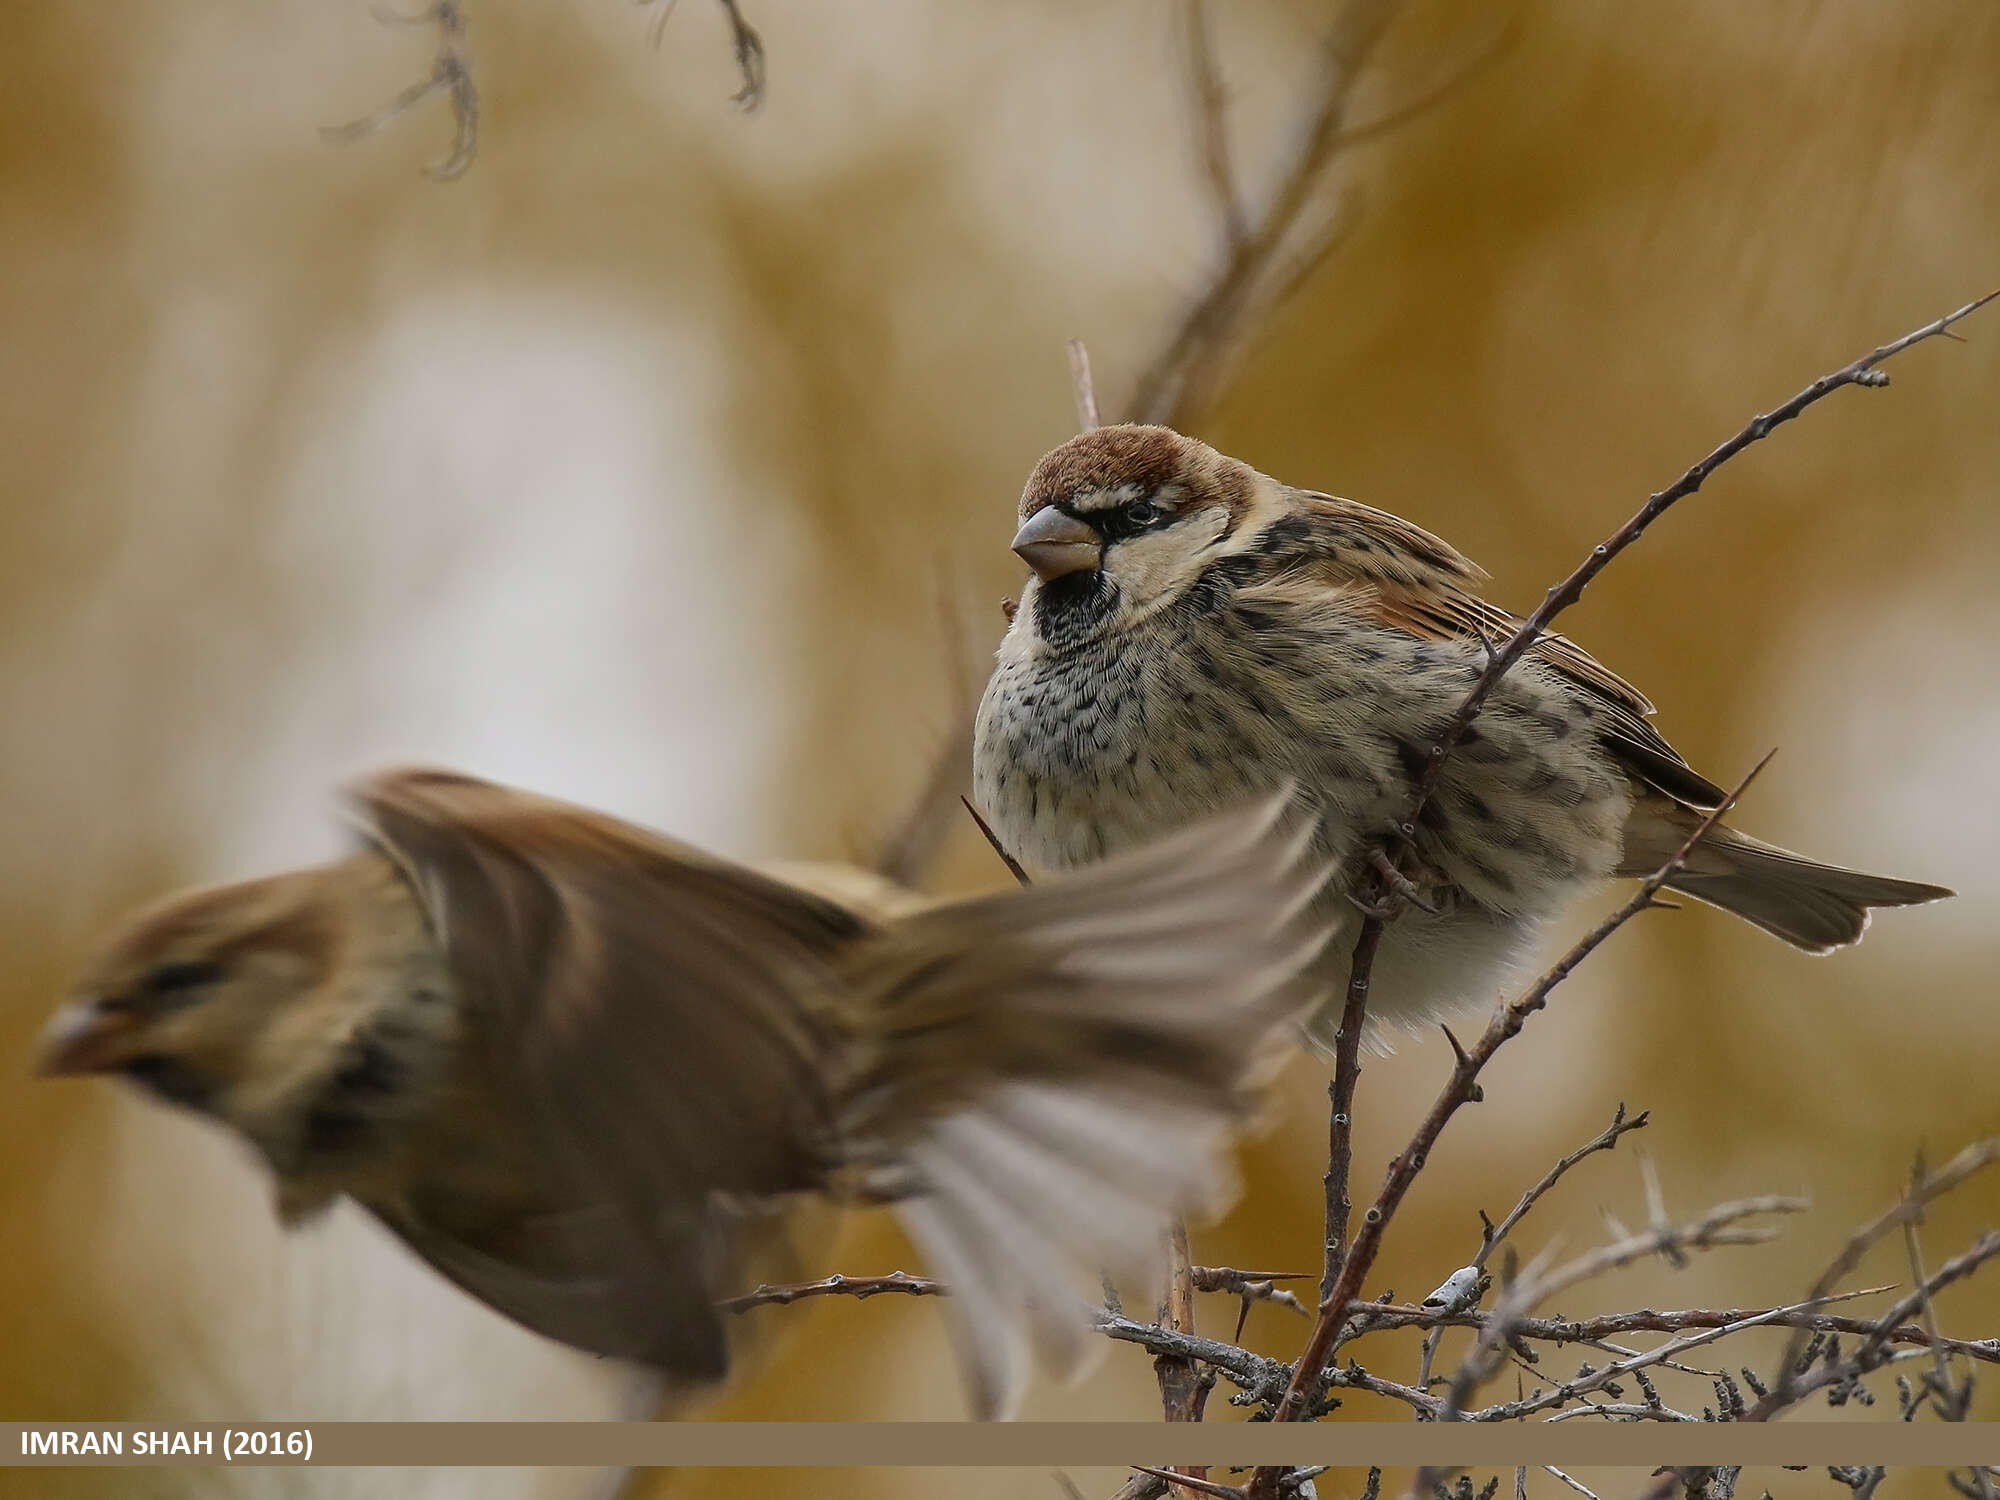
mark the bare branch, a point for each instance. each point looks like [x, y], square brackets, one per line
[1340, 1121]
[1493, 1235]
[1972, 1159]
[451, 73]
[1211, 108]
[1377, 1317]
[1953, 1401]
[1605, 1140]
[749, 56]
[1013, 865]
[1184, 1386]
[1201, 353]
[1862, 372]
[749, 48]
[1249, 1286]
[861, 1288]
[1448, 82]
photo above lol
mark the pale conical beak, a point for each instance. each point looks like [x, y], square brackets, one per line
[1055, 545]
[85, 1037]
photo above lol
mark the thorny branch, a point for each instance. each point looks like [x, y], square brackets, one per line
[1462, 1087]
[1908, 1209]
[1719, 1226]
[1492, 1236]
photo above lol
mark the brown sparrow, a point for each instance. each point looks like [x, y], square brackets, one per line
[1196, 632]
[581, 1069]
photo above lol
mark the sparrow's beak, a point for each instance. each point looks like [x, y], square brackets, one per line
[86, 1037]
[1055, 545]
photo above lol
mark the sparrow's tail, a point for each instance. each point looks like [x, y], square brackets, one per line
[1044, 1079]
[1812, 906]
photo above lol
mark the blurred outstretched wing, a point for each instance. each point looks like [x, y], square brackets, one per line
[1049, 1075]
[651, 1010]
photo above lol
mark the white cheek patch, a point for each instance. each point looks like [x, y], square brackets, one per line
[1159, 564]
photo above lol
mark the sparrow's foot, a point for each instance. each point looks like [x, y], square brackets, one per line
[1400, 886]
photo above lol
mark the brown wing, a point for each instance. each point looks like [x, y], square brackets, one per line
[650, 1009]
[1423, 585]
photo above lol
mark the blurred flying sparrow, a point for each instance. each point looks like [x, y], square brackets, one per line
[1196, 632]
[580, 1069]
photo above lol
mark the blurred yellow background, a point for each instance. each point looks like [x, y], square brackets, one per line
[667, 461]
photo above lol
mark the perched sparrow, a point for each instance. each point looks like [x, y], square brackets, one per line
[581, 1069]
[1196, 632]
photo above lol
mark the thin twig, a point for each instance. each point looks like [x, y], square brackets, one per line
[1974, 1158]
[1492, 1235]
[1251, 1371]
[1573, 1484]
[749, 48]
[1843, 1374]
[1377, 1317]
[1081, 386]
[1249, 1287]
[1448, 82]
[1952, 1402]
[451, 72]
[1013, 865]
[861, 1288]
[1211, 109]
[1200, 355]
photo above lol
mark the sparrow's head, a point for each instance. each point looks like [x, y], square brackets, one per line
[1120, 521]
[260, 1004]
[181, 996]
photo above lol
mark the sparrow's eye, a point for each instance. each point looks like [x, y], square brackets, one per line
[1141, 513]
[179, 980]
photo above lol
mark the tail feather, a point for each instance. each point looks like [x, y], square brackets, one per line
[1043, 1080]
[1812, 906]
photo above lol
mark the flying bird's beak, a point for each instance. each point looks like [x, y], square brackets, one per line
[1056, 545]
[86, 1037]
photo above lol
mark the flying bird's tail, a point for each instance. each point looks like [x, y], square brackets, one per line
[1043, 1079]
